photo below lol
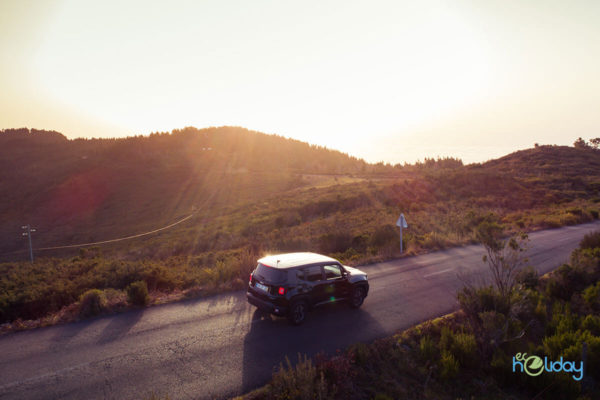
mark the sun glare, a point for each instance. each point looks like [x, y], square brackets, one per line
[131, 76]
[340, 74]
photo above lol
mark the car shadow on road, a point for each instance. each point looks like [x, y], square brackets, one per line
[119, 325]
[327, 329]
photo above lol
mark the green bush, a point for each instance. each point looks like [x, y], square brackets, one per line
[427, 349]
[492, 323]
[590, 240]
[137, 293]
[384, 235]
[300, 382]
[448, 366]
[91, 303]
[528, 277]
[445, 338]
[464, 349]
[591, 296]
[566, 280]
[591, 323]
[361, 353]
[382, 396]
[474, 301]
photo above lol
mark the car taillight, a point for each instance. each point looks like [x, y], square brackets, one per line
[250, 281]
[281, 290]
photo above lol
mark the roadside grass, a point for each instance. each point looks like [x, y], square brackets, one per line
[46, 290]
[469, 353]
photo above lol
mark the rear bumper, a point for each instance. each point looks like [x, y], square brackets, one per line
[265, 305]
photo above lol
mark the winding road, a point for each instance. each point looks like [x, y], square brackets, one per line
[220, 346]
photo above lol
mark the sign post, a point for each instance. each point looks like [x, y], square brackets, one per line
[401, 223]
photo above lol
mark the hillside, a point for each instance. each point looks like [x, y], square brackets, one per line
[76, 191]
[248, 194]
[247, 187]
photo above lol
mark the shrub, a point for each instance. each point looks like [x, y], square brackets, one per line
[591, 323]
[300, 382]
[382, 396]
[337, 371]
[91, 303]
[427, 349]
[590, 240]
[335, 242]
[384, 235]
[137, 293]
[361, 353]
[492, 324]
[448, 366]
[565, 281]
[474, 301]
[435, 240]
[246, 261]
[445, 338]
[464, 349]
[528, 277]
[591, 296]
[575, 211]
[226, 271]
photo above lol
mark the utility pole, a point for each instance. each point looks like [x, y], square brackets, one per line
[28, 232]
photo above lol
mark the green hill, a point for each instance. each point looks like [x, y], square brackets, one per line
[246, 194]
[249, 188]
[77, 191]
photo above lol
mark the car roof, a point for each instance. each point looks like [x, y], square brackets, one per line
[289, 260]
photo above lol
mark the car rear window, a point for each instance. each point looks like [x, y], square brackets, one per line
[270, 274]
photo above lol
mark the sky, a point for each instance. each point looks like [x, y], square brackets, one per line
[393, 81]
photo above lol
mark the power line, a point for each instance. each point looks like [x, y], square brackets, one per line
[195, 209]
[100, 242]
[119, 239]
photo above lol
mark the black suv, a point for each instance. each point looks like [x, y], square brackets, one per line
[291, 284]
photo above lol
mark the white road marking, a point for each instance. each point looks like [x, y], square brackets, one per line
[439, 272]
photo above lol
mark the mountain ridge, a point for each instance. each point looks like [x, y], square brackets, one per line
[87, 190]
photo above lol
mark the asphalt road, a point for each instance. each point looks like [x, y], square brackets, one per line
[219, 347]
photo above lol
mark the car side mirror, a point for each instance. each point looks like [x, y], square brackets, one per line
[345, 274]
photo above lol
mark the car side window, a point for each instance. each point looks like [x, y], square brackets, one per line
[313, 274]
[301, 275]
[332, 272]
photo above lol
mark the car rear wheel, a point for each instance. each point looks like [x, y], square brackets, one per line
[358, 296]
[297, 313]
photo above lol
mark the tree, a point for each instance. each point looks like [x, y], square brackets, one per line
[595, 142]
[580, 144]
[504, 256]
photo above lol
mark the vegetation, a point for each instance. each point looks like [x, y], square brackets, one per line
[248, 194]
[91, 303]
[137, 293]
[469, 354]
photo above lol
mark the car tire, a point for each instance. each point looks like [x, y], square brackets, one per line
[297, 312]
[358, 296]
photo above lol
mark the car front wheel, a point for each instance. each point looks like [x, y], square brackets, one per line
[358, 296]
[297, 313]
